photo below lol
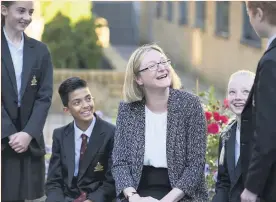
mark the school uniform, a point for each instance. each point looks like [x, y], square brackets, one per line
[258, 142]
[80, 164]
[229, 185]
[26, 94]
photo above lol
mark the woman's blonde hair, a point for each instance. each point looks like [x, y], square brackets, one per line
[132, 92]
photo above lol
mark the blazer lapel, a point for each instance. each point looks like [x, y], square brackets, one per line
[94, 145]
[28, 61]
[237, 171]
[231, 152]
[173, 118]
[139, 124]
[6, 57]
[69, 147]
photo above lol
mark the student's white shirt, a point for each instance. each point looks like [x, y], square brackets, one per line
[78, 140]
[17, 59]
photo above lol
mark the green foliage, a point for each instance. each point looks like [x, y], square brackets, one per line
[58, 36]
[72, 46]
[87, 50]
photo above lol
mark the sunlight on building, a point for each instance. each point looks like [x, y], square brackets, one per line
[197, 48]
[103, 32]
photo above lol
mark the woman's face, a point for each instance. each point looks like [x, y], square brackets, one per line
[238, 90]
[154, 71]
[18, 15]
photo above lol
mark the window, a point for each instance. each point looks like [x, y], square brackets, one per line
[249, 36]
[183, 20]
[200, 14]
[222, 18]
[169, 10]
[159, 9]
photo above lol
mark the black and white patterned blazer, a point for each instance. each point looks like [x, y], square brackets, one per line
[186, 145]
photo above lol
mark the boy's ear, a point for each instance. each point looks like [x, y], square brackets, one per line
[66, 110]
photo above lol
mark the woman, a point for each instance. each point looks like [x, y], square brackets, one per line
[27, 80]
[229, 184]
[160, 139]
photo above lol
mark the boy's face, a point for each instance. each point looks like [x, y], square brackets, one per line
[257, 21]
[238, 90]
[80, 105]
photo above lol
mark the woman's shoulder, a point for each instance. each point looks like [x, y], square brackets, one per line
[128, 106]
[181, 94]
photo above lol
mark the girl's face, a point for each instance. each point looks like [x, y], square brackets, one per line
[18, 15]
[238, 90]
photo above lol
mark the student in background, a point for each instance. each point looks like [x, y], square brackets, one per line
[229, 184]
[80, 165]
[26, 94]
[258, 128]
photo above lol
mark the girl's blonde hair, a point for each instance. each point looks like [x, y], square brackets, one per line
[132, 92]
[240, 73]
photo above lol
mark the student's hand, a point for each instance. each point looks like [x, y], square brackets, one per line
[20, 142]
[11, 137]
[149, 199]
[88, 200]
[248, 196]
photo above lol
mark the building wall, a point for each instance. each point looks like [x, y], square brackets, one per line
[214, 58]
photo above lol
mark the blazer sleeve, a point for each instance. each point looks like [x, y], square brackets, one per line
[121, 164]
[8, 128]
[54, 182]
[196, 149]
[35, 124]
[223, 180]
[264, 147]
[106, 192]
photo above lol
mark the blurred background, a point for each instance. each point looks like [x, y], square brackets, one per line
[206, 41]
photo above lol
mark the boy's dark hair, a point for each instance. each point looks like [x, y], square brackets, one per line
[68, 86]
[7, 4]
[268, 8]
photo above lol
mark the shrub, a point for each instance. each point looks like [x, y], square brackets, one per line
[72, 45]
[58, 36]
[87, 50]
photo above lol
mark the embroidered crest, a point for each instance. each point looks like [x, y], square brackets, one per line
[98, 167]
[34, 81]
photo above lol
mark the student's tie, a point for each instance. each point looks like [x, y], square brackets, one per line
[83, 146]
[83, 195]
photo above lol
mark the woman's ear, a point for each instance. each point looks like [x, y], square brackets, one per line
[138, 80]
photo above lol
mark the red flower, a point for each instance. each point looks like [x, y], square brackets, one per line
[224, 119]
[208, 115]
[213, 128]
[226, 103]
[216, 116]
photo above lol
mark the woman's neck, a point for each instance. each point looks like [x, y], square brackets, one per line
[14, 37]
[157, 100]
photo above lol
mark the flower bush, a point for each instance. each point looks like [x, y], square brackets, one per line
[217, 116]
